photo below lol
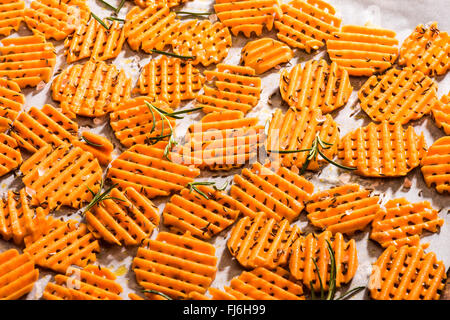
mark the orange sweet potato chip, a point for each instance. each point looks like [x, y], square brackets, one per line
[262, 242]
[11, 102]
[279, 194]
[264, 54]
[235, 88]
[436, 165]
[17, 274]
[407, 273]
[382, 150]
[99, 146]
[27, 60]
[92, 89]
[160, 3]
[401, 222]
[312, 248]
[90, 283]
[175, 265]
[11, 15]
[10, 157]
[363, 51]
[316, 85]
[427, 49]
[441, 113]
[307, 24]
[343, 209]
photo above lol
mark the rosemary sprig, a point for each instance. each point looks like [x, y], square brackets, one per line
[115, 19]
[100, 196]
[91, 143]
[222, 188]
[108, 5]
[193, 187]
[173, 54]
[175, 114]
[120, 6]
[99, 21]
[158, 293]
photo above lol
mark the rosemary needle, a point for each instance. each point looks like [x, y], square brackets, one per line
[100, 196]
[158, 293]
[120, 6]
[108, 5]
[173, 54]
[99, 21]
[193, 187]
[91, 143]
[115, 19]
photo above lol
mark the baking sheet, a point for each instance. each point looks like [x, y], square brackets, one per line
[399, 15]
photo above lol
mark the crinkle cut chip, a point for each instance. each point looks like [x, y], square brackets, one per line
[296, 130]
[18, 217]
[61, 177]
[154, 27]
[160, 3]
[208, 43]
[99, 146]
[407, 273]
[175, 265]
[262, 242]
[57, 244]
[127, 218]
[382, 150]
[235, 88]
[132, 122]
[398, 96]
[92, 89]
[17, 274]
[56, 19]
[93, 41]
[223, 141]
[90, 283]
[10, 157]
[441, 113]
[265, 54]
[171, 80]
[307, 24]
[401, 222]
[343, 209]
[277, 193]
[436, 165]
[11, 15]
[427, 49]
[28, 61]
[363, 51]
[312, 248]
[146, 169]
[247, 16]
[316, 85]
[202, 218]
[11, 102]
[36, 128]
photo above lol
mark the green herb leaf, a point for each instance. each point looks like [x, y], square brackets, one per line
[91, 143]
[108, 5]
[173, 55]
[100, 196]
[99, 21]
[120, 6]
[193, 187]
[158, 293]
[115, 19]
[350, 293]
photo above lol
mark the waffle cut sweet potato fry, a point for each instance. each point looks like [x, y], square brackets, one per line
[127, 219]
[27, 60]
[401, 222]
[10, 157]
[56, 19]
[36, 128]
[61, 177]
[132, 122]
[90, 283]
[248, 17]
[382, 150]
[57, 244]
[262, 242]
[265, 54]
[427, 49]
[316, 85]
[343, 209]
[312, 250]
[407, 273]
[207, 42]
[171, 80]
[278, 193]
[296, 130]
[94, 41]
[92, 89]
[435, 165]
[363, 51]
[18, 217]
[175, 265]
[201, 217]
[154, 27]
[307, 24]
[398, 96]
[11, 102]
[223, 140]
[146, 169]
[17, 274]
[99, 146]
[441, 113]
[11, 15]
[160, 3]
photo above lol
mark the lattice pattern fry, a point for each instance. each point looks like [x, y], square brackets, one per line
[436, 165]
[407, 273]
[316, 85]
[11, 15]
[160, 3]
[11, 102]
[10, 157]
[175, 265]
[441, 113]
[99, 146]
